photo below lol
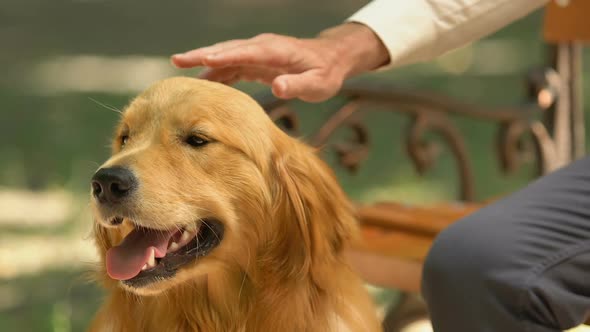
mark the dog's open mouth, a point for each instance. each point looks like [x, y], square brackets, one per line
[147, 255]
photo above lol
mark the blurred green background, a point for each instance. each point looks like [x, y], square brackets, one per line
[57, 56]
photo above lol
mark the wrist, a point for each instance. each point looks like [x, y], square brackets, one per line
[357, 47]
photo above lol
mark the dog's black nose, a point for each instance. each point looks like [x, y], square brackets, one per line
[113, 184]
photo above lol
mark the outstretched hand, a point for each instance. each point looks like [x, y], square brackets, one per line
[309, 69]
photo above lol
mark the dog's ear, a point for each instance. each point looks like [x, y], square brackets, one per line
[310, 205]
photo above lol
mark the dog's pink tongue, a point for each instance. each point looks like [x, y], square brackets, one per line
[126, 260]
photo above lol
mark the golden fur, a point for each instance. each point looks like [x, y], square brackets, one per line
[280, 265]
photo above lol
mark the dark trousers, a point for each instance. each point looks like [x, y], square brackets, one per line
[521, 264]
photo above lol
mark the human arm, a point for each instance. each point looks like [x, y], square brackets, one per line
[421, 30]
[384, 33]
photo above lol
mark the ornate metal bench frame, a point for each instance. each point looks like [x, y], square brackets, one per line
[552, 115]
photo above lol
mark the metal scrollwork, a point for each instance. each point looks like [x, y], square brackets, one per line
[543, 91]
[424, 153]
[350, 154]
[547, 151]
[431, 115]
[512, 151]
[285, 118]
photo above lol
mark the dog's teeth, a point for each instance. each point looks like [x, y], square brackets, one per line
[173, 247]
[152, 260]
[186, 236]
[144, 267]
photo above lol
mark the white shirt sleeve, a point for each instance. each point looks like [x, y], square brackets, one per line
[420, 30]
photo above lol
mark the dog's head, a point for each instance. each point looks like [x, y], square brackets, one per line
[201, 183]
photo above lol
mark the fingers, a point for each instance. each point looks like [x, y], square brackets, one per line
[265, 53]
[221, 75]
[196, 57]
[263, 50]
[310, 86]
[247, 73]
[291, 66]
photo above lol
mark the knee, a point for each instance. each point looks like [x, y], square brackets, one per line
[460, 258]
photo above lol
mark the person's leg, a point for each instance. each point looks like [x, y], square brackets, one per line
[520, 264]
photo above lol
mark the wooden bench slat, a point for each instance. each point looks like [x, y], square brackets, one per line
[388, 272]
[395, 239]
[567, 23]
[427, 221]
[406, 246]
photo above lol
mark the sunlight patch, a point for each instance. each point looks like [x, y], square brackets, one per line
[25, 255]
[24, 208]
[96, 73]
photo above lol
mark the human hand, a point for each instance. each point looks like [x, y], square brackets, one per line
[309, 69]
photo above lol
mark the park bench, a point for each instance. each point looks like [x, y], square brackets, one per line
[396, 237]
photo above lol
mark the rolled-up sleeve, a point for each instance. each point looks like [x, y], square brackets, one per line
[420, 30]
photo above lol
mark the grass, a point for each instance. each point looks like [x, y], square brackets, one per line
[52, 301]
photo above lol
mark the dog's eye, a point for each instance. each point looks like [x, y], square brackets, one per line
[124, 140]
[196, 141]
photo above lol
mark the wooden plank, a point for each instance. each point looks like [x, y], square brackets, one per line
[567, 21]
[401, 245]
[396, 238]
[427, 221]
[386, 271]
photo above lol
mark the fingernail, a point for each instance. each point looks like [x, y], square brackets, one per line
[280, 88]
[211, 56]
[178, 55]
[282, 85]
[173, 60]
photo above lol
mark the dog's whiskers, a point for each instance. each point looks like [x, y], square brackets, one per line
[107, 106]
[92, 162]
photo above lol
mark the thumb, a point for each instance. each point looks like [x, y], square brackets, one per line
[308, 86]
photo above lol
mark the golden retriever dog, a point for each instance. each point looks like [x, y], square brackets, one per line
[209, 218]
